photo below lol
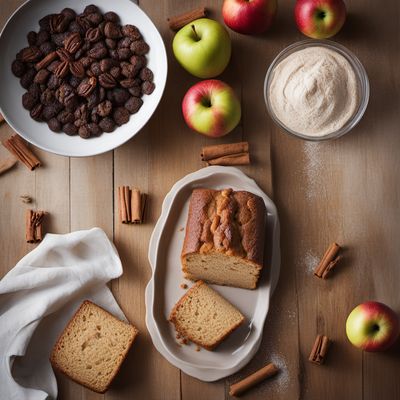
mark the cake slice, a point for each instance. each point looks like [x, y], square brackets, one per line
[205, 317]
[92, 347]
[224, 239]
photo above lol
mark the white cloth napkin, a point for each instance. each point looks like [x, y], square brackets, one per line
[38, 297]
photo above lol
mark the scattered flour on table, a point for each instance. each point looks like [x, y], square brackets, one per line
[278, 383]
[312, 169]
[309, 262]
[282, 379]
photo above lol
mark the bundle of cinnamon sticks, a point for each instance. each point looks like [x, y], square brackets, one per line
[17, 146]
[328, 261]
[131, 205]
[319, 350]
[226, 154]
[34, 225]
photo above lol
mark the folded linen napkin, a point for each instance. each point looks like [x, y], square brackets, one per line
[38, 297]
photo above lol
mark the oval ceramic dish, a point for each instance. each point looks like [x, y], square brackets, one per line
[164, 289]
[13, 39]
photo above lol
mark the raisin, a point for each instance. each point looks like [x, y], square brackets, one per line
[107, 125]
[148, 87]
[54, 124]
[28, 101]
[70, 129]
[133, 104]
[111, 17]
[121, 115]
[18, 68]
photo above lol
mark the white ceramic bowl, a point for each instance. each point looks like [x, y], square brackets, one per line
[164, 290]
[359, 70]
[13, 38]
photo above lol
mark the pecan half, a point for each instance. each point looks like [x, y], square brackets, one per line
[73, 42]
[30, 54]
[41, 76]
[58, 23]
[107, 80]
[104, 108]
[36, 112]
[64, 92]
[83, 22]
[76, 68]
[128, 83]
[87, 87]
[62, 69]
[46, 61]
[64, 55]
[93, 35]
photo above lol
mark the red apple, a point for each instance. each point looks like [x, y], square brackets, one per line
[249, 16]
[372, 326]
[320, 19]
[211, 107]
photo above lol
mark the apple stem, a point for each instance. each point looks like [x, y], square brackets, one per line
[195, 33]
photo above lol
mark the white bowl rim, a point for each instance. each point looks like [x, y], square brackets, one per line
[101, 151]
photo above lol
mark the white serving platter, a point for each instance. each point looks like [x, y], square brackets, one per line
[163, 289]
[13, 39]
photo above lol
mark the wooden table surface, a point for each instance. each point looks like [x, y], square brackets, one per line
[347, 190]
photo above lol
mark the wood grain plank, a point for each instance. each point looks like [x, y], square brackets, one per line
[149, 374]
[14, 183]
[334, 191]
[179, 140]
[91, 182]
[257, 128]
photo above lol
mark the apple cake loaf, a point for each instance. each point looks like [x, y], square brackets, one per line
[224, 239]
[205, 317]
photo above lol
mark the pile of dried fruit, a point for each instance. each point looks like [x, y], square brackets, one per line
[84, 74]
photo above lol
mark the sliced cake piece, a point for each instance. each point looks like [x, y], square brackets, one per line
[205, 317]
[92, 347]
[224, 239]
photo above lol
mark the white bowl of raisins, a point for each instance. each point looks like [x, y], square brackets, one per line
[80, 78]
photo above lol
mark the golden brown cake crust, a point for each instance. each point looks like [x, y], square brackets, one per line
[226, 221]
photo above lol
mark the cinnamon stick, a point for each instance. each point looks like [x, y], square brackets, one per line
[221, 150]
[226, 154]
[266, 372]
[7, 164]
[122, 205]
[127, 200]
[234, 159]
[328, 261]
[179, 21]
[33, 225]
[131, 204]
[319, 350]
[138, 203]
[16, 146]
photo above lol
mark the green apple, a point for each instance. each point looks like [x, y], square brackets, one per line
[203, 48]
